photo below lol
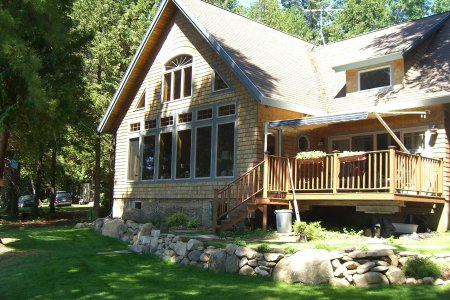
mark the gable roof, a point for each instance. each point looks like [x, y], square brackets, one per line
[278, 69]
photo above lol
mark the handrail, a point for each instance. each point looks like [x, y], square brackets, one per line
[237, 192]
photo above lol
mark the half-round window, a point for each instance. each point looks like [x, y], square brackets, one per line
[177, 81]
[303, 143]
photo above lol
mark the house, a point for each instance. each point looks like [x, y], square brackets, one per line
[214, 107]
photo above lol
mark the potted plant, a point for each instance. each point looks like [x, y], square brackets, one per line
[311, 157]
[349, 156]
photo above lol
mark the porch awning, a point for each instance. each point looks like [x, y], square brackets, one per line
[326, 119]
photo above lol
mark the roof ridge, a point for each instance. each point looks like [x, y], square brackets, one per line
[258, 22]
[380, 29]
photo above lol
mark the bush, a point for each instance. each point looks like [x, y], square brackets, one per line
[290, 250]
[323, 246]
[422, 267]
[177, 219]
[240, 243]
[313, 230]
[263, 248]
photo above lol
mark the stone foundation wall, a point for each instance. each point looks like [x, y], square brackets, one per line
[313, 266]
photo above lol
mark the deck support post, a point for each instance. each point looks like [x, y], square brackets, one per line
[335, 172]
[266, 174]
[264, 219]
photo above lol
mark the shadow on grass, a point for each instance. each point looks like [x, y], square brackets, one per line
[67, 267]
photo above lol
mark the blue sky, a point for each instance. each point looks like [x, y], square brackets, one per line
[246, 2]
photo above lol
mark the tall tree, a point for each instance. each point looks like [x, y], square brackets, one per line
[404, 10]
[440, 6]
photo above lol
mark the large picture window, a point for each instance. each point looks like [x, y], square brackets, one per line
[203, 152]
[225, 149]
[133, 159]
[374, 78]
[177, 78]
[148, 158]
[165, 155]
[184, 154]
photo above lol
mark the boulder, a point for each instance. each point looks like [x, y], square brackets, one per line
[381, 269]
[195, 255]
[145, 240]
[253, 263]
[231, 248]
[349, 278]
[138, 248]
[438, 281]
[273, 256]
[339, 282]
[246, 271]
[217, 260]
[370, 279]
[180, 248]
[335, 263]
[403, 260]
[311, 266]
[194, 244]
[428, 280]
[382, 263]
[98, 224]
[247, 252]
[364, 268]
[185, 261]
[232, 263]
[127, 238]
[269, 264]
[154, 243]
[340, 272]
[204, 257]
[113, 228]
[243, 262]
[155, 232]
[411, 280]
[371, 253]
[395, 275]
[351, 265]
[261, 272]
[394, 260]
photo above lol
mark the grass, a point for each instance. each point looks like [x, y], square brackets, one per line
[62, 263]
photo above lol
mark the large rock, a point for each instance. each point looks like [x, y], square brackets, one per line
[113, 228]
[243, 262]
[395, 275]
[146, 229]
[370, 279]
[232, 263]
[273, 256]
[246, 271]
[364, 268]
[204, 257]
[247, 252]
[194, 244]
[180, 248]
[195, 255]
[217, 260]
[98, 224]
[371, 253]
[339, 282]
[351, 265]
[261, 271]
[310, 266]
[340, 272]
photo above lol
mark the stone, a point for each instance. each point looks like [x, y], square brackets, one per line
[370, 279]
[339, 282]
[154, 243]
[395, 275]
[185, 261]
[394, 260]
[113, 228]
[403, 260]
[246, 271]
[352, 272]
[217, 260]
[382, 263]
[193, 263]
[371, 253]
[261, 272]
[310, 266]
[346, 258]
[155, 232]
[349, 249]
[232, 263]
[349, 278]
[428, 280]
[253, 263]
[204, 257]
[145, 239]
[438, 281]
[176, 239]
[410, 280]
[170, 235]
[381, 269]
[269, 264]
[231, 248]
[137, 248]
[169, 253]
[351, 265]
[247, 252]
[98, 224]
[364, 268]
[180, 248]
[335, 263]
[340, 272]
[171, 259]
[243, 262]
[273, 256]
[195, 255]
[146, 229]
[259, 256]
[336, 255]
[194, 244]
[408, 253]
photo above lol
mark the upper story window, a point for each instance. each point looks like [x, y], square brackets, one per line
[219, 83]
[135, 127]
[141, 103]
[227, 110]
[375, 78]
[177, 81]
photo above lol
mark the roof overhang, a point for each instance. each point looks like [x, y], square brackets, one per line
[319, 120]
[369, 62]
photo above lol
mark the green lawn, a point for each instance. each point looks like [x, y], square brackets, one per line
[62, 263]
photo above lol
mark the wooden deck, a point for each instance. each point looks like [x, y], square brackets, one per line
[374, 182]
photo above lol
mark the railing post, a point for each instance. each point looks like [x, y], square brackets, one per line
[335, 171]
[419, 175]
[215, 211]
[266, 174]
[441, 177]
[392, 171]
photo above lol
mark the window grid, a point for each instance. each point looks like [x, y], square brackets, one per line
[184, 118]
[204, 114]
[150, 124]
[227, 110]
[167, 121]
[135, 127]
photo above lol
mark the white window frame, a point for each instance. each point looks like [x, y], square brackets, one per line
[132, 204]
[391, 75]
[172, 76]
[143, 94]
[213, 77]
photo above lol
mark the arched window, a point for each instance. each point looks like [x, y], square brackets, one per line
[177, 81]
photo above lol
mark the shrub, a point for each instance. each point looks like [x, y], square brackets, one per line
[312, 230]
[422, 267]
[263, 248]
[290, 250]
[240, 243]
[177, 219]
[323, 246]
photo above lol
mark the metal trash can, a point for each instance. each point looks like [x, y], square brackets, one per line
[284, 220]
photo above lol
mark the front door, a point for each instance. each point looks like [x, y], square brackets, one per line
[273, 142]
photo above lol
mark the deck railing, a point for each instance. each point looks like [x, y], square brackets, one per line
[387, 171]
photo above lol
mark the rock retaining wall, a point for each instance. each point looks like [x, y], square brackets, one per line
[312, 266]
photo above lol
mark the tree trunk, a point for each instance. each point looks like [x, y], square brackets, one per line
[97, 177]
[39, 189]
[4, 138]
[53, 177]
[12, 182]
